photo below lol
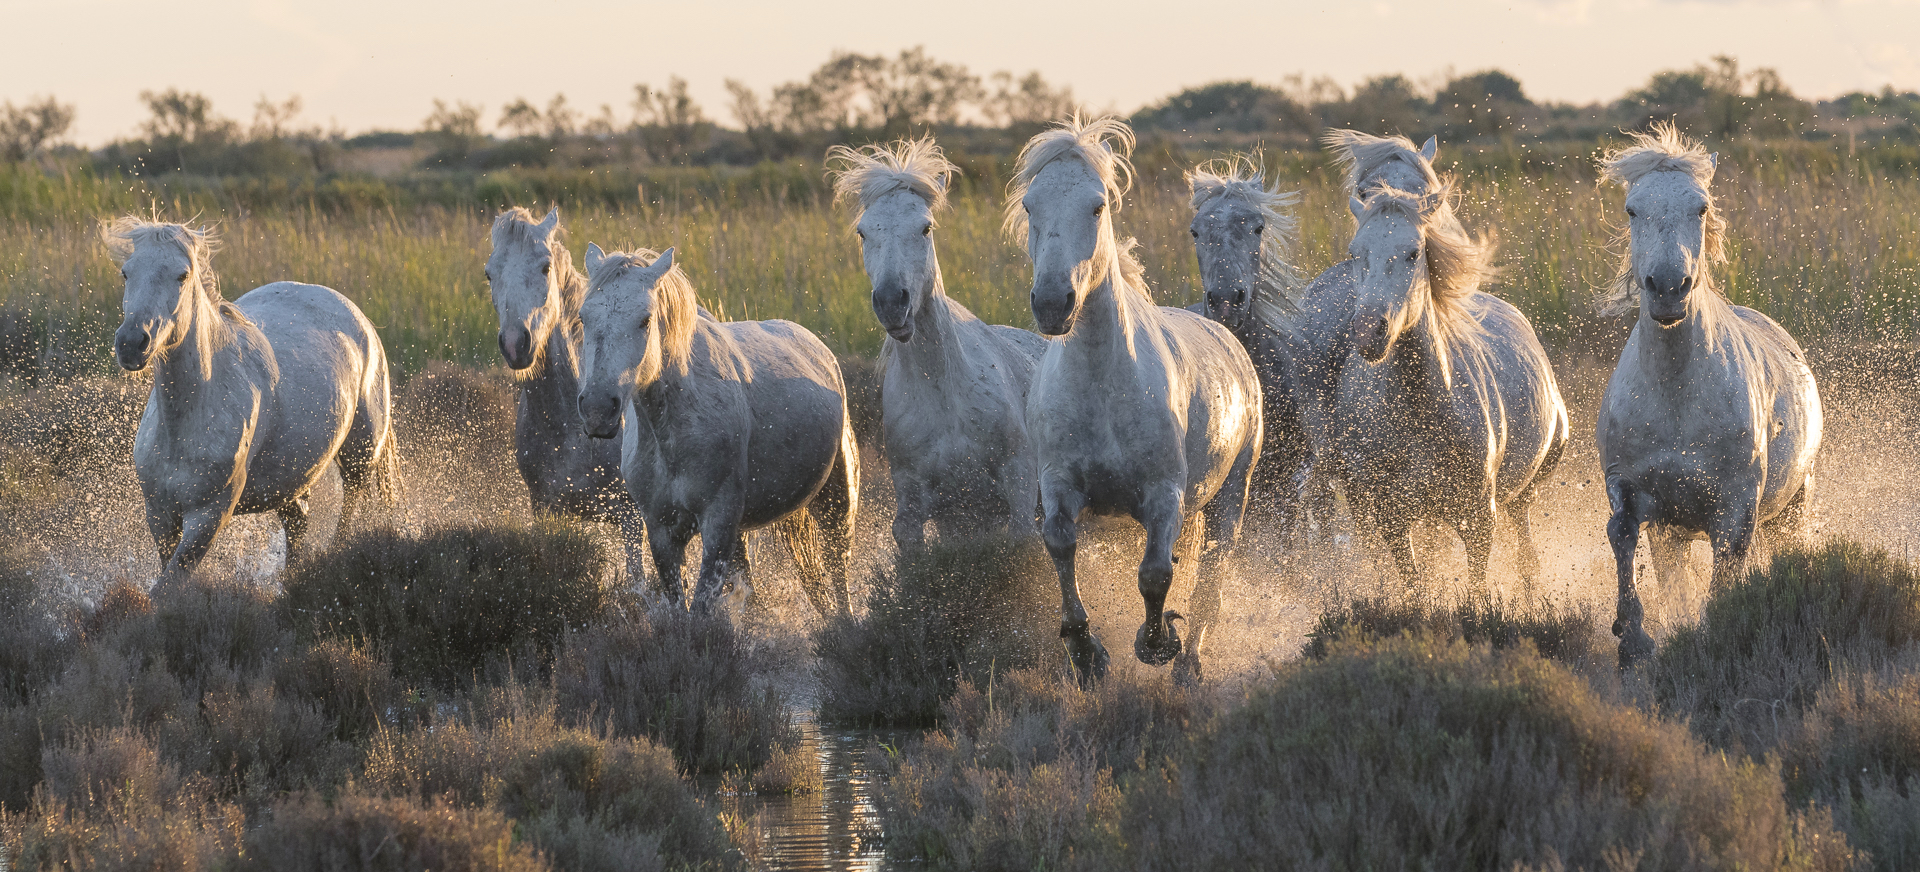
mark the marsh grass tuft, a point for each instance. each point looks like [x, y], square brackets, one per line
[952, 613]
[452, 602]
[1568, 635]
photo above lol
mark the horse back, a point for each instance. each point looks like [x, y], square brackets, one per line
[1528, 415]
[795, 402]
[1794, 418]
[1223, 403]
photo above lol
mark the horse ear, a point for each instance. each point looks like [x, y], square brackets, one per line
[1430, 149]
[547, 224]
[661, 265]
[595, 257]
[1354, 204]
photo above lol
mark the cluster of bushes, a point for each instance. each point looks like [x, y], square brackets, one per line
[463, 698]
[1782, 732]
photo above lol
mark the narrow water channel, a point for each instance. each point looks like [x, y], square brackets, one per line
[834, 829]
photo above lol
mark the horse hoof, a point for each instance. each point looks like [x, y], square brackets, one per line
[1636, 647]
[1087, 656]
[1162, 652]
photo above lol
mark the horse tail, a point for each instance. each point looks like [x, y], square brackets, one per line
[386, 470]
[803, 539]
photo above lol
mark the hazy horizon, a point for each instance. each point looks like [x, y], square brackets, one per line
[363, 66]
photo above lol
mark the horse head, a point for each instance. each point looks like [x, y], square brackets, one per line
[1389, 248]
[899, 188]
[1067, 182]
[167, 276]
[1668, 215]
[525, 283]
[636, 325]
[1241, 235]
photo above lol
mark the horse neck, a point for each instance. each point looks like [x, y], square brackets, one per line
[1669, 352]
[1109, 316]
[550, 393]
[192, 363]
[931, 350]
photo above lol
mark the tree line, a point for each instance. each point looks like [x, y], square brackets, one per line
[855, 97]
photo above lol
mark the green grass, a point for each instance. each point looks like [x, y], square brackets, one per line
[1827, 243]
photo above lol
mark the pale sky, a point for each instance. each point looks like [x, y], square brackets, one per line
[364, 65]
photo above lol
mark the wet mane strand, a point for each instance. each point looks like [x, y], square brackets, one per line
[1364, 154]
[1103, 144]
[866, 174]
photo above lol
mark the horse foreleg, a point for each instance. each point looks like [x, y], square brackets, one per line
[668, 542]
[293, 519]
[197, 531]
[1158, 642]
[1623, 531]
[1732, 535]
[633, 539]
[1060, 530]
[165, 527]
[719, 530]
[1020, 487]
[1526, 555]
[912, 508]
[1476, 532]
[1396, 530]
[1672, 557]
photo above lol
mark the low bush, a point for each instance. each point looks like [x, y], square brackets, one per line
[1856, 751]
[1565, 635]
[685, 681]
[449, 603]
[358, 832]
[37, 646]
[1766, 645]
[951, 613]
[587, 800]
[455, 426]
[354, 688]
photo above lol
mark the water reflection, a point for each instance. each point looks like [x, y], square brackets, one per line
[832, 830]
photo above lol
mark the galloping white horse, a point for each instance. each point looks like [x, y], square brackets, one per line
[1243, 234]
[537, 293]
[1448, 407]
[953, 395]
[1711, 420]
[251, 399]
[1136, 409]
[728, 427]
[1320, 323]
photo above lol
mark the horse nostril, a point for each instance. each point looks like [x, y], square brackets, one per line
[140, 342]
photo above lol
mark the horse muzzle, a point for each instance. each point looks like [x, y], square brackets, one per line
[516, 347]
[895, 312]
[133, 347]
[1370, 338]
[1054, 310]
[1227, 308]
[601, 415]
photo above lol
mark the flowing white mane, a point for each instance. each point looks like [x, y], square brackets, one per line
[519, 225]
[1364, 154]
[675, 306]
[1240, 179]
[125, 233]
[869, 173]
[1104, 145]
[1664, 149]
[1456, 264]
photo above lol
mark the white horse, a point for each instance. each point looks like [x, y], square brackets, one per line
[1320, 321]
[1711, 420]
[953, 393]
[251, 400]
[1447, 407]
[1138, 410]
[537, 293]
[1243, 236]
[727, 427]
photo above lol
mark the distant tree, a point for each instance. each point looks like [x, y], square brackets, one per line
[560, 120]
[856, 92]
[669, 123]
[1237, 106]
[521, 117]
[461, 120]
[914, 91]
[271, 120]
[183, 116]
[1383, 104]
[1482, 103]
[600, 126]
[1715, 101]
[1029, 100]
[24, 130]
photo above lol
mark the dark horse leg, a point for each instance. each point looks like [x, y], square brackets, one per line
[1476, 531]
[1732, 533]
[1623, 530]
[1215, 536]
[1157, 642]
[668, 542]
[293, 519]
[1061, 533]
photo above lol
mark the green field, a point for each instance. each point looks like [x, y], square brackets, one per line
[1825, 242]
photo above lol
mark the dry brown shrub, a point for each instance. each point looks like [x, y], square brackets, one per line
[359, 832]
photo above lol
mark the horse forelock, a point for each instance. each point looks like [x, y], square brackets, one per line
[1104, 144]
[1365, 155]
[125, 234]
[868, 173]
[1665, 149]
[676, 308]
[1456, 263]
[1239, 179]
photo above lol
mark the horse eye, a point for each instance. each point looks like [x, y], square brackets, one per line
[645, 320]
[860, 233]
[927, 230]
[488, 274]
[546, 268]
[183, 277]
[1100, 208]
[1703, 210]
[1259, 229]
[1196, 233]
[1630, 214]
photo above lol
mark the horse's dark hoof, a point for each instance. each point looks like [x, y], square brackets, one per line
[1162, 652]
[1085, 653]
[1636, 647]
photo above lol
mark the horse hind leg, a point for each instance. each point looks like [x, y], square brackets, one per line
[803, 538]
[369, 468]
[1476, 532]
[835, 508]
[293, 519]
[1793, 526]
